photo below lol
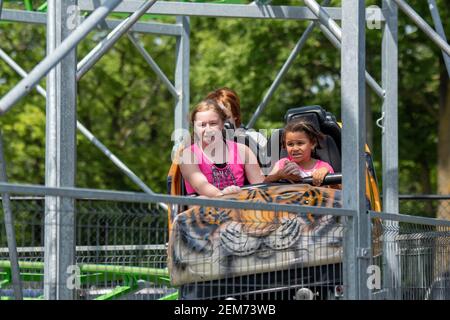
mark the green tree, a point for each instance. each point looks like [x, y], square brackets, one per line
[128, 108]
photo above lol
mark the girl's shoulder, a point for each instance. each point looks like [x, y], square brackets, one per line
[189, 154]
[239, 146]
[324, 164]
[280, 163]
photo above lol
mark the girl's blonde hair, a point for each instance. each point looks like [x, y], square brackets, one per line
[207, 105]
[303, 126]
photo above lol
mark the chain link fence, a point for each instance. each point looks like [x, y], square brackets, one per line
[121, 249]
[420, 252]
[413, 260]
[122, 252]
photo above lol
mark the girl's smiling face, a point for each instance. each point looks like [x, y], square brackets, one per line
[208, 126]
[299, 146]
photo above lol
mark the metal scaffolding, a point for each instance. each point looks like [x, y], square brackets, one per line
[63, 72]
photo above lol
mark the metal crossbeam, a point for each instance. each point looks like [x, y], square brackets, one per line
[166, 29]
[227, 10]
[95, 248]
[23, 16]
[142, 27]
[126, 196]
[28, 83]
[409, 219]
[423, 25]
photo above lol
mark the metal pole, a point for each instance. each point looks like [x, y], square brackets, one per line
[92, 57]
[357, 236]
[334, 33]
[5, 57]
[27, 84]
[9, 226]
[329, 35]
[422, 24]
[439, 29]
[60, 155]
[153, 65]
[111, 156]
[324, 18]
[369, 79]
[127, 196]
[390, 141]
[182, 81]
[284, 69]
[119, 164]
[187, 9]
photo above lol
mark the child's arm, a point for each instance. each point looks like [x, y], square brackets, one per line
[319, 174]
[274, 175]
[290, 172]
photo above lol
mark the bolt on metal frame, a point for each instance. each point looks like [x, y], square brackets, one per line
[352, 41]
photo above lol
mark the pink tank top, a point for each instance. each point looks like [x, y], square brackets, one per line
[232, 174]
[307, 172]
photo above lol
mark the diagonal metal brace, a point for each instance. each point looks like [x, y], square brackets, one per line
[10, 233]
[99, 51]
[284, 69]
[424, 26]
[440, 30]
[27, 84]
[334, 33]
[153, 65]
[122, 167]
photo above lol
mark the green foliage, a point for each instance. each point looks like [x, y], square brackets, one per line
[127, 107]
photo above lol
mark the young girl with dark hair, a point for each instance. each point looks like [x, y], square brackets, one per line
[300, 139]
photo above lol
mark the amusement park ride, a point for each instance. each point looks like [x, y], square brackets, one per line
[275, 240]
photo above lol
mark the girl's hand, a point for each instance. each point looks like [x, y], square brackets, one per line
[231, 189]
[290, 171]
[318, 176]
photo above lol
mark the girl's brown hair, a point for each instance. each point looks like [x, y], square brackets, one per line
[207, 105]
[230, 100]
[303, 126]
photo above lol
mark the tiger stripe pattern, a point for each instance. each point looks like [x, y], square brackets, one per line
[210, 243]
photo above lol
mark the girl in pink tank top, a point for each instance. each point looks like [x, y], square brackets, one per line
[222, 175]
[212, 166]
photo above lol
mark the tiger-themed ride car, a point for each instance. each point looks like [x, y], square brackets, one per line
[217, 253]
